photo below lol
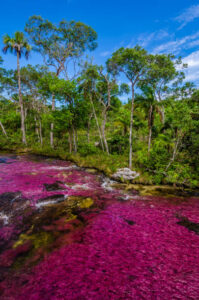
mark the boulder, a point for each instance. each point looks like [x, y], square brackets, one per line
[125, 174]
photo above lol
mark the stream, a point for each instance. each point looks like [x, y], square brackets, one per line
[68, 233]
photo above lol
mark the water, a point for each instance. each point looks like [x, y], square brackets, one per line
[66, 233]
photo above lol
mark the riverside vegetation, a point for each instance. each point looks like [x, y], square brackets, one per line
[71, 108]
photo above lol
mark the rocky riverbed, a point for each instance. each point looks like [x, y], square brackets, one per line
[70, 233]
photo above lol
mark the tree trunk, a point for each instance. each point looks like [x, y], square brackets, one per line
[131, 127]
[70, 141]
[52, 124]
[74, 139]
[3, 129]
[40, 133]
[105, 117]
[21, 103]
[76, 136]
[88, 127]
[37, 129]
[53, 109]
[98, 127]
[150, 127]
[103, 129]
[174, 151]
[162, 112]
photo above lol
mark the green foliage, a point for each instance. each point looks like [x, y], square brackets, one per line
[87, 149]
[17, 44]
[58, 44]
[118, 144]
[87, 113]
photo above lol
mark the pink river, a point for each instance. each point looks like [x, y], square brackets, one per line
[67, 233]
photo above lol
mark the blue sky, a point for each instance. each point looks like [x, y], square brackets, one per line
[161, 26]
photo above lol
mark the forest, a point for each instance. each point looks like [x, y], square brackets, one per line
[136, 111]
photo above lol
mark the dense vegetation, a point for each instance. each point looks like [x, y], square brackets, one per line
[71, 107]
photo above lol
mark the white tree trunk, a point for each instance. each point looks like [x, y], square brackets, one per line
[131, 127]
[21, 103]
[98, 127]
[3, 129]
[150, 127]
[103, 130]
[40, 133]
[52, 124]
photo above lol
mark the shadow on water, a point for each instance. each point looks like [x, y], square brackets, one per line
[189, 225]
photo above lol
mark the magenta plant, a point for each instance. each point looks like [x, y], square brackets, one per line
[114, 249]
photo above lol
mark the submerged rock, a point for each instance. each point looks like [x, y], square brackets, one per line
[54, 186]
[12, 201]
[125, 174]
[189, 225]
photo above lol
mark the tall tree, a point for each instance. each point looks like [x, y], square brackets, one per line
[148, 101]
[60, 44]
[134, 63]
[88, 80]
[2, 79]
[106, 89]
[30, 79]
[164, 74]
[19, 46]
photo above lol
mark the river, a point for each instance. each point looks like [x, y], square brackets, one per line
[67, 233]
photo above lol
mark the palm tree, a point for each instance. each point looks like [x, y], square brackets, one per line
[19, 46]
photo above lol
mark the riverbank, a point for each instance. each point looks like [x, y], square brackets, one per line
[108, 165]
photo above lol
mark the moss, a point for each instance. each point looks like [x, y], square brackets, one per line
[81, 202]
[71, 217]
[91, 170]
[85, 203]
[40, 243]
[39, 240]
[48, 226]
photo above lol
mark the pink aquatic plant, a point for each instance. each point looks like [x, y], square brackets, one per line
[114, 249]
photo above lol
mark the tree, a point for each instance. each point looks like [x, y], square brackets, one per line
[148, 101]
[163, 74]
[2, 74]
[60, 44]
[66, 91]
[34, 100]
[106, 88]
[19, 46]
[134, 63]
[88, 81]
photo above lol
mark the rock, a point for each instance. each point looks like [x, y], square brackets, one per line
[5, 160]
[125, 174]
[10, 202]
[54, 186]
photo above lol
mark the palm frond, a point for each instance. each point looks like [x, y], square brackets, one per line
[5, 49]
[17, 44]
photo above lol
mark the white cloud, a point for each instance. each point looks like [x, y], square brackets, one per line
[175, 46]
[188, 16]
[192, 72]
[105, 53]
[194, 44]
[145, 39]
